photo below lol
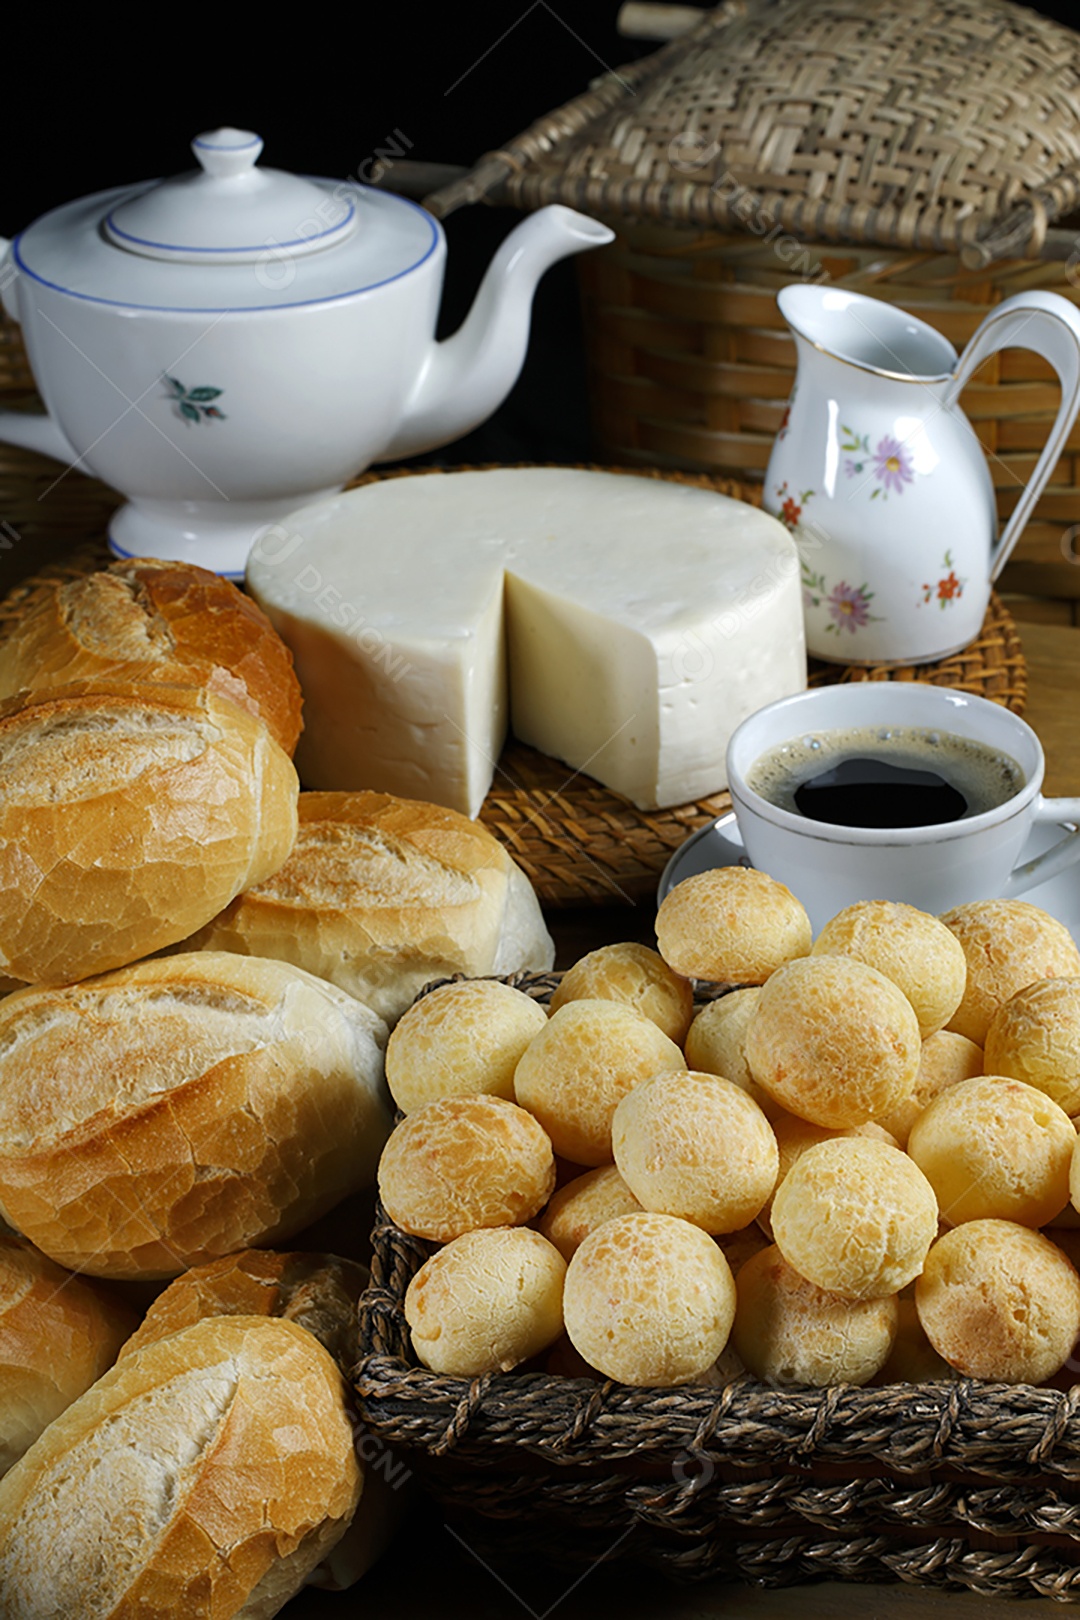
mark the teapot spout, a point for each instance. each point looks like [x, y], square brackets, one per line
[468, 376]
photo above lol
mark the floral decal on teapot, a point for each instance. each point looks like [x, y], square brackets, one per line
[946, 590]
[889, 463]
[195, 404]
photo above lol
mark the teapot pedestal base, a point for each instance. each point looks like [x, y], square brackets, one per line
[217, 535]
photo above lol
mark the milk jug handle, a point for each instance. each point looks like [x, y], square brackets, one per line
[1050, 326]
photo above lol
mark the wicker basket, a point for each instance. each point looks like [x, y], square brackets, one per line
[915, 150]
[959, 1484]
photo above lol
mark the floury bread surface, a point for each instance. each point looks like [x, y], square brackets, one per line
[155, 1118]
[130, 813]
[381, 895]
[145, 619]
[623, 624]
[207, 1474]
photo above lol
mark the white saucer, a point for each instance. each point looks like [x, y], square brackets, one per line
[721, 845]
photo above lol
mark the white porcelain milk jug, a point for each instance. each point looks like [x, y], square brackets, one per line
[880, 478]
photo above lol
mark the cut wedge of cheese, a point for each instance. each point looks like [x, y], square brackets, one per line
[623, 624]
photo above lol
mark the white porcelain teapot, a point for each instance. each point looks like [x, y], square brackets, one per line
[880, 477]
[229, 344]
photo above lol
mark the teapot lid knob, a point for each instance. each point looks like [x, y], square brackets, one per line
[225, 152]
[228, 211]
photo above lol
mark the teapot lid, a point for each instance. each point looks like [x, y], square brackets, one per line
[228, 211]
[227, 236]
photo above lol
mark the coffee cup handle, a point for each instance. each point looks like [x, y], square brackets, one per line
[1053, 860]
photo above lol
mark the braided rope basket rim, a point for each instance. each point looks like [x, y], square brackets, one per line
[578, 842]
[960, 1483]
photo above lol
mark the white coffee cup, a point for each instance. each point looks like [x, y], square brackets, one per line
[932, 867]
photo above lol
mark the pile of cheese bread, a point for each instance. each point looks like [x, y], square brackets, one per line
[203, 965]
[860, 1165]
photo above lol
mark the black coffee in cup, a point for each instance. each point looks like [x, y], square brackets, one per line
[885, 776]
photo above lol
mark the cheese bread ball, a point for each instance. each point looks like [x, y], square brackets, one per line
[714, 1044]
[637, 976]
[649, 1300]
[834, 1041]
[576, 1071]
[994, 1148]
[461, 1040]
[999, 1301]
[856, 1217]
[696, 1146]
[582, 1205]
[739, 1247]
[794, 1136]
[1008, 944]
[463, 1162]
[945, 1059]
[486, 1301]
[1035, 1037]
[913, 949]
[791, 1333]
[734, 925]
[1074, 1178]
[913, 1359]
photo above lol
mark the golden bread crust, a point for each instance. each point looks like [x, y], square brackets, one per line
[216, 1457]
[129, 815]
[149, 619]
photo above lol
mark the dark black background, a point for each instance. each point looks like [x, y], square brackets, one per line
[94, 99]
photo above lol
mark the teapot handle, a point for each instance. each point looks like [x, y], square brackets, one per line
[29, 432]
[1049, 325]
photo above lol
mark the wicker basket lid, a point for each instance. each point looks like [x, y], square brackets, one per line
[945, 124]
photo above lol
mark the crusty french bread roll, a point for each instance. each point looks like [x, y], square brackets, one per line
[206, 1475]
[129, 815]
[184, 1108]
[318, 1292]
[58, 1334]
[380, 895]
[147, 619]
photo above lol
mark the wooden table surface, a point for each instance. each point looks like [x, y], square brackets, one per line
[429, 1574]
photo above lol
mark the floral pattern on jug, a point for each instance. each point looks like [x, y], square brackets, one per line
[791, 506]
[847, 606]
[947, 589]
[781, 431]
[892, 463]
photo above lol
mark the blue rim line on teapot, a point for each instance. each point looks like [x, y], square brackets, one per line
[229, 309]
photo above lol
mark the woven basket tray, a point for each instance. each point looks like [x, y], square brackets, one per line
[961, 1484]
[690, 362]
[578, 842]
[815, 139]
